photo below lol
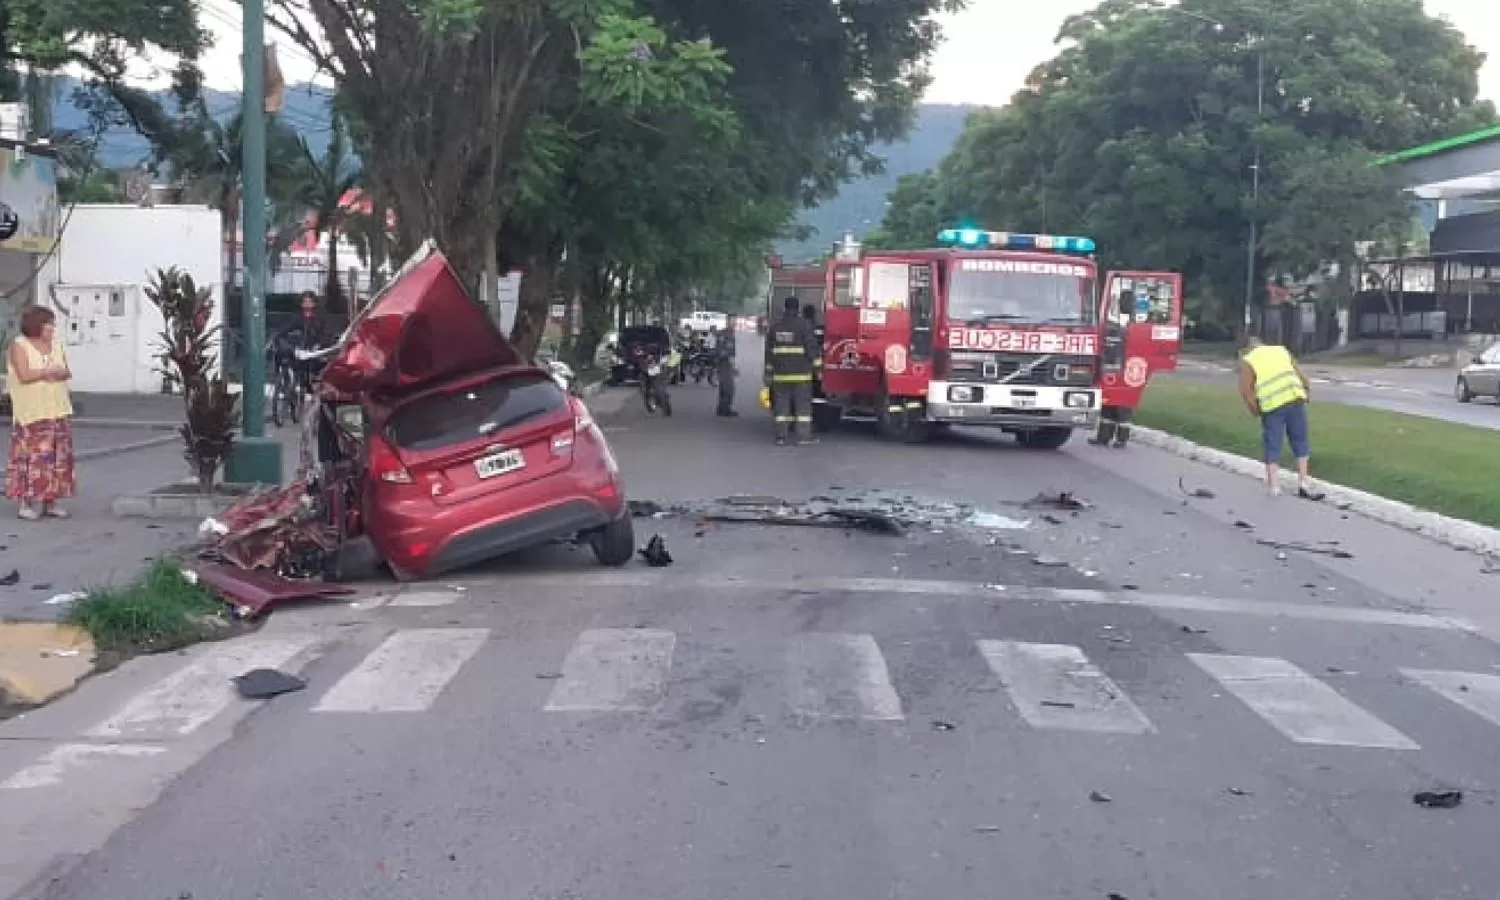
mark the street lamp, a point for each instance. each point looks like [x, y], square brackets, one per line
[1260, 111]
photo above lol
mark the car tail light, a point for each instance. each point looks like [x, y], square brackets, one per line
[385, 465]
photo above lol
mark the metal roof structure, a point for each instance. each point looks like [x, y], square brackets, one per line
[1464, 167]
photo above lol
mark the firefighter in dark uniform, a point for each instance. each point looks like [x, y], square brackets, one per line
[791, 349]
[724, 350]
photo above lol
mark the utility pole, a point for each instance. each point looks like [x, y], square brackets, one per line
[256, 458]
[1250, 248]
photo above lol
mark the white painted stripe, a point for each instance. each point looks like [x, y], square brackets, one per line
[1479, 694]
[193, 695]
[1298, 705]
[406, 673]
[64, 759]
[1055, 686]
[841, 676]
[426, 598]
[614, 670]
[1313, 612]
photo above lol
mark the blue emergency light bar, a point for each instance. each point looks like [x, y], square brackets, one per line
[1006, 240]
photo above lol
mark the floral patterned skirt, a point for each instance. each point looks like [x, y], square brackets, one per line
[41, 461]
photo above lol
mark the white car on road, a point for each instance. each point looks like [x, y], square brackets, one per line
[702, 320]
[1481, 378]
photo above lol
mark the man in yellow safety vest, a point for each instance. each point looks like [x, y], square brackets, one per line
[1275, 390]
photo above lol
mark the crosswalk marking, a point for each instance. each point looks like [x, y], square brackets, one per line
[614, 670]
[406, 673]
[193, 695]
[426, 598]
[841, 676]
[1055, 686]
[1479, 694]
[64, 759]
[1298, 705]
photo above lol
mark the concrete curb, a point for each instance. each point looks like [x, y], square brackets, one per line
[1456, 533]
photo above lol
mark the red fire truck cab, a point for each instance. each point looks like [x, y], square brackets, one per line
[990, 329]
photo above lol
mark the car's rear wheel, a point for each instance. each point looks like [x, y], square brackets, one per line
[1462, 391]
[614, 544]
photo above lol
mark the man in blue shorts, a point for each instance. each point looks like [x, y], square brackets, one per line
[1274, 389]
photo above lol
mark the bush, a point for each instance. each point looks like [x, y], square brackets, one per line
[211, 411]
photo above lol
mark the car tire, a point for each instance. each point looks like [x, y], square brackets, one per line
[614, 544]
[401, 575]
[1044, 438]
[1462, 392]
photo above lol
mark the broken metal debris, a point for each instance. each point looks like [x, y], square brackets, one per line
[1199, 493]
[655, 552]
[1438, 799]
[1241, 523]
[869, 511]
[940, 725]
[1188, 629]
[251, 592]
[1064, 500]
[277, 529]
[1325, 549]
[1239, 792]
[1100, 797]
[13, 578]
[263, 684]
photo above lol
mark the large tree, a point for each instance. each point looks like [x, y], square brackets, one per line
[1144, 130]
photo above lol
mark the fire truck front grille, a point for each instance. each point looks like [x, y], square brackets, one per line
[1020, 368]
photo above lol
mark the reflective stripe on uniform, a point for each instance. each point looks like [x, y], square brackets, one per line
[792, 379]
[787, 419]
[914, 404]
[786, 351]
[896, 408]
[804, 418]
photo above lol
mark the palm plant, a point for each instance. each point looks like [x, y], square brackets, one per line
[325, 188]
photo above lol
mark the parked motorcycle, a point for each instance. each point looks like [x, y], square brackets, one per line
[656, 373]
[700, 365]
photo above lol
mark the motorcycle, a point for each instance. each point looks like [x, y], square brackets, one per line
[700, 365]
[656, 373]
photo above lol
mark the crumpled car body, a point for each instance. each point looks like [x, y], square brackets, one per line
[466, 451]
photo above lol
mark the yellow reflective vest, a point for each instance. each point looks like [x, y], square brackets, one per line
[1276, 380]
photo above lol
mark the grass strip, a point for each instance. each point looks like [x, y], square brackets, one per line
[1441, 466]
[160, 610]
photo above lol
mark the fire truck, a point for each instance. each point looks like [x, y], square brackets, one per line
[989, 328]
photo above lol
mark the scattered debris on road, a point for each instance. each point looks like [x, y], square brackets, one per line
[1100, 797]
[64, 599]
[1327, 548]
[1243, 525]
[1063, 500]
[1188, 629]
[263, 684]
[13, 578]
[940, 725]
[1239, 792]
[1059, 704]
[277, 529]
[252, 592]
[870, 511]
[655, 552]
[1050, 562]
[987, 829]
[1198, 493]
[1438, 799]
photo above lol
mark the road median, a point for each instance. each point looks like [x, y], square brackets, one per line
[1431, 477]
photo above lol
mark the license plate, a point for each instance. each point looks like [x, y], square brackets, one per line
[1023, 402]
[499, 463]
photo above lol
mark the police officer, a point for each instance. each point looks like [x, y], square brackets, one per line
[790, 352]
[724, 362]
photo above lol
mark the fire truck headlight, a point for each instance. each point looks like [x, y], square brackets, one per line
[962, 393]
[1078, 399]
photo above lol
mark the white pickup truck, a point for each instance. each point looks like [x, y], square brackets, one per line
[702, 320]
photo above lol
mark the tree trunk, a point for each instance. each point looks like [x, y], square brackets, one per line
[598, 313]
[531, 311]
[337, 300]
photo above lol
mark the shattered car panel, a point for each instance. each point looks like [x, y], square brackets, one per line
[423, 328]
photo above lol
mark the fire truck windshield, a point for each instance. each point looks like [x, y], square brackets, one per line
[982, 291]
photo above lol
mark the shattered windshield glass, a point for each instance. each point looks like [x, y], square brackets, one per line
[986, 291]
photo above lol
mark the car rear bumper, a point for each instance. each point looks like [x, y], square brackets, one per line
[509, 535]
[1013, 406]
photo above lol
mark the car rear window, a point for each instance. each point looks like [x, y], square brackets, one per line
[485, 410]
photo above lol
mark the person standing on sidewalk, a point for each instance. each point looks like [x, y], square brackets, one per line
[40, 469]
[724, 356]
[1275, 390]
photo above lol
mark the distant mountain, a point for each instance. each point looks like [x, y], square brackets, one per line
[306, 109]
[860, 205]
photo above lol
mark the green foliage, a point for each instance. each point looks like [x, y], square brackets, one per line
[1143, 131]
[186, 343]
[159, 611]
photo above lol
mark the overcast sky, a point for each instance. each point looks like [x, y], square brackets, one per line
[990, 48]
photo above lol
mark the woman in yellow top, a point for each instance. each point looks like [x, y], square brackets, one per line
[40, 470]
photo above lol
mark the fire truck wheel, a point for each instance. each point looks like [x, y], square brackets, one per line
[1044, 438]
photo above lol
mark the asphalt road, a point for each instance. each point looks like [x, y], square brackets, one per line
[1417, 392]
[1131, 700]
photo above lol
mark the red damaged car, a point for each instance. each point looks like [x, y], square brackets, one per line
[463, 450]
